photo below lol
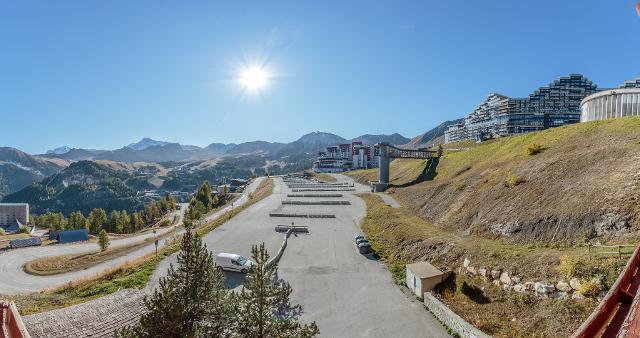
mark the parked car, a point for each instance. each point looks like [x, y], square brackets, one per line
[359, 237]
[233, 262]
[364, 248]
[361, 240]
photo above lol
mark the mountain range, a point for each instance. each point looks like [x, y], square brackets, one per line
[66, 178]
[19, 169]
[149, 150]
[83, 185]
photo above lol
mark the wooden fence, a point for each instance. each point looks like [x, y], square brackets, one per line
[620, 250]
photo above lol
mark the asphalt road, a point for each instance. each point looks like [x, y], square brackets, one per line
[14, 281]
[347, 294]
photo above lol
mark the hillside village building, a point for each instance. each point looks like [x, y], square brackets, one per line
[347, 156]
[613, 103]
[14, 214]
[555, 105]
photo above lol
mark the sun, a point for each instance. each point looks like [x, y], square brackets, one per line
[253, 78]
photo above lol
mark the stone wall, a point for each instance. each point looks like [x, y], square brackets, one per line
[451, 319]
[511, 282]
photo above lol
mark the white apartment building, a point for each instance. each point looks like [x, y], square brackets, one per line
[12, 214]
[347, 156]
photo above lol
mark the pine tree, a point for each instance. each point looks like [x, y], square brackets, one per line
[97, 220]
[136, 222]
[263, 306]
[123, 222]
[114, 220]
[191, 300]
[77, 221]
[204, 195]
[103, 240]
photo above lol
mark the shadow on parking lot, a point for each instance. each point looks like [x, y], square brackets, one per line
[371, 256]
[233, 279]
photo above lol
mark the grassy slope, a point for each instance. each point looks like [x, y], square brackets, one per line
[399, 237]
[134, 274]
[586, 175]
[585, 171]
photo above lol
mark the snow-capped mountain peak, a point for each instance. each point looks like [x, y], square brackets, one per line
[59, 150]
[146, 143]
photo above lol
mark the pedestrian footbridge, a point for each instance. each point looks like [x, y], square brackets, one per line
[388, 152]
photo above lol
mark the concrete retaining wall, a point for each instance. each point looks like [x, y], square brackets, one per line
[451, 319]
[282, 214]
[316, 202]
[283, 246]
[314, 195]
[307, 190]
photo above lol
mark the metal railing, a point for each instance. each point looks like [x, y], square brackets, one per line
[11, 325]
[608, 316]
[620, 250]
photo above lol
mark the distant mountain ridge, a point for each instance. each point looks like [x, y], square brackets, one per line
[395, 139]
[150, 150]
[146, 143]
[83, 185]
[67, 179]
[19, 169]
[59, 151]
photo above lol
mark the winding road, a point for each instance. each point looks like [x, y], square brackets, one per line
[15, 281]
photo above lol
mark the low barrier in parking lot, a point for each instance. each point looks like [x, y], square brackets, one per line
[293, 228]
[282, 214]
[317, 202]
[321, 189]
[283, 246]
[318, 186]
[314, 195]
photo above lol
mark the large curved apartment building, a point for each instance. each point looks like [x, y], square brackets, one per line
[613, 103]
[555, 105]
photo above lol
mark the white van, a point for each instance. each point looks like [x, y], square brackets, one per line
[233, 262]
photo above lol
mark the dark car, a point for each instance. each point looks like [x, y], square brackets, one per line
[361, 240]
[359, 237]
[364, 248]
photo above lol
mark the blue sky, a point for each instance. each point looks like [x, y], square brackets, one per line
[102, 74]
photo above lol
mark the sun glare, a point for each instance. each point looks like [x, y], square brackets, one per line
[253, 78]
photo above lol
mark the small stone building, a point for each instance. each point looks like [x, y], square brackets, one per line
[423, 277]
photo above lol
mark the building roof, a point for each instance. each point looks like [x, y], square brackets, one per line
[67, 236]
[424, 270]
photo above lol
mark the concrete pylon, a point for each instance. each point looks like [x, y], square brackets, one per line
[384, 167]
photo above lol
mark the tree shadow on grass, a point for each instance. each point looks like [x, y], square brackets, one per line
[427, 174]
[474, 293]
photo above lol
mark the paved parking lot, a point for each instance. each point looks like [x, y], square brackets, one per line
[347, 294]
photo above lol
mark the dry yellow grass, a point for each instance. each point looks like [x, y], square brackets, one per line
[322, 176]
[54, 265]
[584, 175]
[400, 237]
